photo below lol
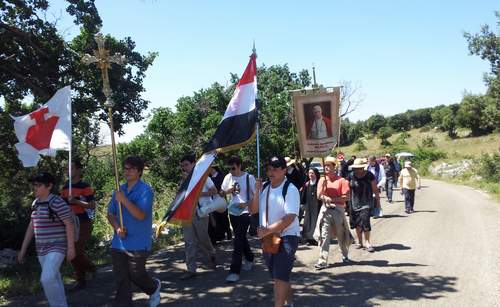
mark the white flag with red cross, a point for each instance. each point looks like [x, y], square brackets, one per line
[46, 130]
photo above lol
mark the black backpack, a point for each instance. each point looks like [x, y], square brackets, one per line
[284, 191]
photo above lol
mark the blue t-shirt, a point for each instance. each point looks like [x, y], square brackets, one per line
[139, 233]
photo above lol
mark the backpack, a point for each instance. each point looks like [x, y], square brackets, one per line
[283, 192]
[53, 214]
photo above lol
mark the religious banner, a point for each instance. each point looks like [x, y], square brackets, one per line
[317, 118]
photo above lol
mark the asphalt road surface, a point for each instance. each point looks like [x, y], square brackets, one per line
[445, 254]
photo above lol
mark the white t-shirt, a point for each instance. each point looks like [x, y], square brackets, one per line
[203, 200]
[241, 197]
[278, 207]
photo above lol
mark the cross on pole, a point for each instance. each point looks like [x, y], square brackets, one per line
[103, 61]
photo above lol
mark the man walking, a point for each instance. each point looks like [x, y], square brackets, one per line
[196, 233]
[408, 181]
[240, 186]
[379, 173]
[131, 244]
[81, 201]
[363, 186]
[278, 204]
[333, 191]
[390, 175]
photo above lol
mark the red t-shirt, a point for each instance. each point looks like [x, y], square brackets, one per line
[333, 188]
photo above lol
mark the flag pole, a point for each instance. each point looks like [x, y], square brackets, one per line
[257, 107]
[70, 147]
[104, 60]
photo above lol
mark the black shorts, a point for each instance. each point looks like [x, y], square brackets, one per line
[280, 265]
[360, 219]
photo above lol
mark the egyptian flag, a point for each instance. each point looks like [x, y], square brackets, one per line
[46, 130]
[237, 127]
[184, 205]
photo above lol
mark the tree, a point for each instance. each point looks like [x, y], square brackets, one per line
[351, 97]
[486, 45]
[384, 134]
[375, 122]
[35, 61]
[399, 122]
[444, 117]
[473, 114]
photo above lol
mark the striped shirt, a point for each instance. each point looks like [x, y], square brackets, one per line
[50, 234]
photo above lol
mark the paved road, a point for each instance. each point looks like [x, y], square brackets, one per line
[444, 254]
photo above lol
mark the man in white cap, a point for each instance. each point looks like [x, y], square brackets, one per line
[408, 181]
[322, 126]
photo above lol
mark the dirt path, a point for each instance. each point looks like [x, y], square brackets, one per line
[444, 254]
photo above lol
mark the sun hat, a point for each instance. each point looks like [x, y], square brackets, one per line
[359, 163]
[289, 161]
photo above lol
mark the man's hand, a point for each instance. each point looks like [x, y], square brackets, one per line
[70, 254]
[258, 185]
[121, 232]
[21, 257]
[120, 197]
[262, 231]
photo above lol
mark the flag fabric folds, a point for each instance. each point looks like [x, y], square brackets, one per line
[45, 130]
[237, 127]
[186, 200]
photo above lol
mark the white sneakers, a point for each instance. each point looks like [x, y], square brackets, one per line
[232, 277]
[246, 265]
[154, 299]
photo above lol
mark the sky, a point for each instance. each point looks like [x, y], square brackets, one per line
[403, 54]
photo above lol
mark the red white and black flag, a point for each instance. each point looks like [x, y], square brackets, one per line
[184, 205]
[237, 127]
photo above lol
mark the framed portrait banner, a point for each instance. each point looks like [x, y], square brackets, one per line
[317, 118]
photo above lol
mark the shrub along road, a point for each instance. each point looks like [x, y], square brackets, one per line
[444, 254]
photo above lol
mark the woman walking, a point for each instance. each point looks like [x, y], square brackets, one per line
[312, 205]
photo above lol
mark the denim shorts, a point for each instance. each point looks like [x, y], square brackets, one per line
[280, 265]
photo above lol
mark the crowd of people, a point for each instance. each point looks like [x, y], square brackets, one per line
[295, 205]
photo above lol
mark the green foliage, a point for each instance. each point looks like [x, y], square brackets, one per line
[444, 118]
[427, 154]
[428, 142]
[384, 134]
[399, 122]
[37, 61]
[375, 122]
[360, 145]
[401, 139]
[489, 167]
[481, 114]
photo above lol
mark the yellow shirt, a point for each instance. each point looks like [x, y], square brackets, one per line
[408, 178]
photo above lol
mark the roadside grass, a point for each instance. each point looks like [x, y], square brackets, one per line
[460, 148]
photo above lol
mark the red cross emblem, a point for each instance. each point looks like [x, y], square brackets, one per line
[40, 134]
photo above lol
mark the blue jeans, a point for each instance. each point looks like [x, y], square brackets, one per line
[409, 199]
[51, 280]
[388, 188]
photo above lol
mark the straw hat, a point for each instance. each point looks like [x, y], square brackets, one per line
[289, 161]
[359, 163]
[330, 159]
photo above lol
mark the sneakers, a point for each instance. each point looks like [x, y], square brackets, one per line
[345, 260]
[320, 265]
[232, 277]
[246, 265]
[154, 299]
[370, 249]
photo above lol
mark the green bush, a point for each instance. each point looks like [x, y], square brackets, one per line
[428, 141]
[360, 145]
[431, 154]
[489, 167]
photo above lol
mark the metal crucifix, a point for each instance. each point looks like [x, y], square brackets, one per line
[103, 61]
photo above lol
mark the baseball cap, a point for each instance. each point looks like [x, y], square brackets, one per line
[277, 161]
